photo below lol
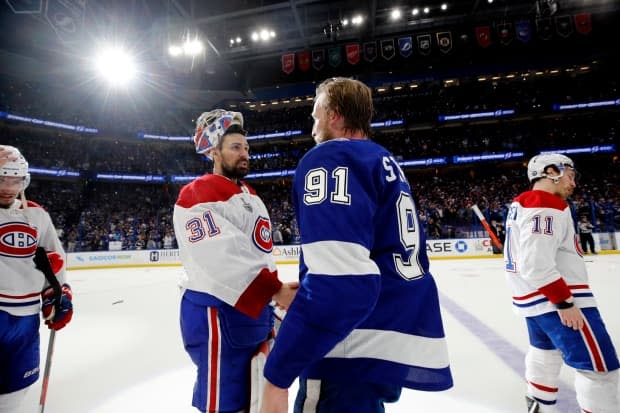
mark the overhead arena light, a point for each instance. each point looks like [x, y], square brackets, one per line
[116, 66]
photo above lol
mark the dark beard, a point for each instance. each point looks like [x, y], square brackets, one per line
[234, 172]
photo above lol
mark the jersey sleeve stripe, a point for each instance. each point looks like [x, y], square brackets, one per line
[338, 258]
[389, 345]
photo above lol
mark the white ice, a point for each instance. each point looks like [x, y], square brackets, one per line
[122, 353]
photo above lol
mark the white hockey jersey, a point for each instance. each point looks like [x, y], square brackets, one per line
[21, 232]
[544, 263]
[224, 236]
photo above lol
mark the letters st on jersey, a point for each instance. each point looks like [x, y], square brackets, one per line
[317, 181]
[17, 240]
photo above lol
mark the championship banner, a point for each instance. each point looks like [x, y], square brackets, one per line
[544, 28]
[483, 35]
[66, 18]
[405, 46]
[288, 63]
[523, 31]
[353, 53]
[424, 44]
[303, 60]
[564, 25]
[370, 51]
[318, 59]
[334, 57]
[583, 23]
[25, 6]
[444, 41]
[387, 49]
[504, 33]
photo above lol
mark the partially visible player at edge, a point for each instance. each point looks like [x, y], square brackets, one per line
[549, 282]
[366, 320]
[24, 290]
[224, 235]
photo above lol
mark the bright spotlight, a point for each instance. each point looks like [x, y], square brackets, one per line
[254, 36]
[238, 39]
[264, 35]
[426, 10]
[444, 7]
[357, 20]
[175, 51]
[345, 22]
[116, 66]
[415, 11]
[192, 47]
[272, 34]
[395, 15]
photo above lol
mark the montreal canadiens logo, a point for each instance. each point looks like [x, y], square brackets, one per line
[17, 240]
[262, 234]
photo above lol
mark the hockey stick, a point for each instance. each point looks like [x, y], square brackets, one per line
[43, 264]
[487, 227]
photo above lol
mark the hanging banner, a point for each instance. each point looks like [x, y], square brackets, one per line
[483, 35]
[564, 25]
[405, 46]
[303, 60]
[387, 49]
[318, 59]
[504, 33]
[544, 28]
[424, 44]
[66, 18]
[370, 51]
[353, 53]
[583, 23]
[288, 63]
[444, 41]
[25, 6]
[334, 56]
[523, 31]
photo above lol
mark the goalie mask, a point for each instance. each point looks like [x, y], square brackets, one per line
[212, 126]
[538, 165]
[15, 171]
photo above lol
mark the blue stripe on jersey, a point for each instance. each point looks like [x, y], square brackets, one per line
[22, 304]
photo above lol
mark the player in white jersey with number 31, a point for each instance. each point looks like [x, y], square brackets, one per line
[549, 282]
[224, 235]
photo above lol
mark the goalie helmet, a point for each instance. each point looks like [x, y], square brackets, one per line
[16, 168]
[538, 165]
[212, 126]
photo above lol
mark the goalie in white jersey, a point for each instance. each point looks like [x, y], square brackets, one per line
[24, 291]
[224, 235]
[549, 282]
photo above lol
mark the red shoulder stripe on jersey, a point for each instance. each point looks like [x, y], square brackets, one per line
[259, 293]
[557, 291]
[31, 205]
[207, 188]
[541, 199]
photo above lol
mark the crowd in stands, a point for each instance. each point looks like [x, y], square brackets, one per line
[91, 214]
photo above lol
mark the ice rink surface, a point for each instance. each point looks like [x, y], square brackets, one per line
[122, 353]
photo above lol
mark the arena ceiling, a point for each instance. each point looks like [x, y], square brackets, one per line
[56, 31]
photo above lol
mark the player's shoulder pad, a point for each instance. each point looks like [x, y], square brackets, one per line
[207, 188]
[541, 199]
[31, 204]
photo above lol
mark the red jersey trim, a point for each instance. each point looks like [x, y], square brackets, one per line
[557, 291]
[541, 199]
[259, 293]
[210, 188]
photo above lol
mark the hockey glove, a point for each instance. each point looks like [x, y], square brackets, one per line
[56, 320]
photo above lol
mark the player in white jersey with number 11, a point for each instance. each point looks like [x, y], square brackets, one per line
[549, 281]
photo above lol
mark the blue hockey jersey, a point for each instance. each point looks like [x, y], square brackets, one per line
[367, 308]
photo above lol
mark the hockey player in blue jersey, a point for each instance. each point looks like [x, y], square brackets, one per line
[365, 322]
